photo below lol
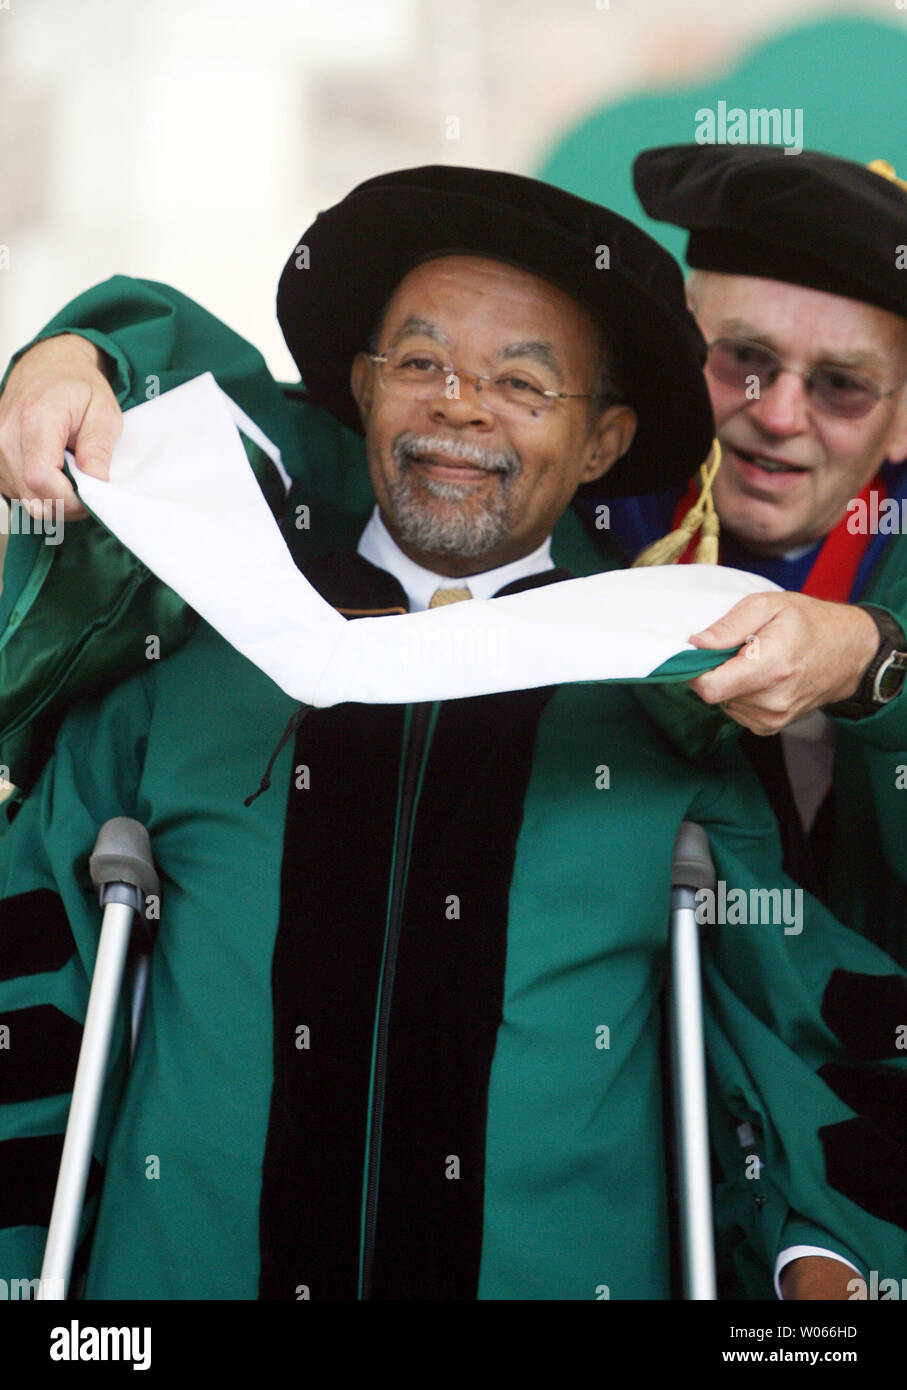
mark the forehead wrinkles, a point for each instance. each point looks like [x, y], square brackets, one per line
[792, 318]
[544, 354]
[841, 348]
[463, 293]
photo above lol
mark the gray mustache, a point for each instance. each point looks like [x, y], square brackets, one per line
[407, 447]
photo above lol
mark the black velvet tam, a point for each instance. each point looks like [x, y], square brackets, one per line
[346, 265]
[811, 219]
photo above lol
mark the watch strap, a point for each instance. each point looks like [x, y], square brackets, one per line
[867, 698]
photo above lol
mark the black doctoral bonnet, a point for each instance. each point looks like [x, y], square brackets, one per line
[329, 300]
[810, 219]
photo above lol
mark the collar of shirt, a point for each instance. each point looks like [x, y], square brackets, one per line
[378, 546]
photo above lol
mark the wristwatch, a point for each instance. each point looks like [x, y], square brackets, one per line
[884, 676]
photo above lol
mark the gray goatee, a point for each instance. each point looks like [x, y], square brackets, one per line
[462, 527]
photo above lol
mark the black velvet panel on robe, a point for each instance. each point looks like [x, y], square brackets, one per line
[447, 982]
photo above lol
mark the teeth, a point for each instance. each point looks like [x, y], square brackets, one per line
[769, 465]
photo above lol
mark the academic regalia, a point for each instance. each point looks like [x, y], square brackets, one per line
[836, 226]
[402, 1032]
[403, 1011]
[856, 864]
[70, 615]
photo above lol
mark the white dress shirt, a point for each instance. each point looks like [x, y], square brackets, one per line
[377, 545]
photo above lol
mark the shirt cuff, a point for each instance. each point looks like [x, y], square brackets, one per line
[796, 1252]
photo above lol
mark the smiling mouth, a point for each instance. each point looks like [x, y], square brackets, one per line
[765, 464]
[458, 466]
[458, 469]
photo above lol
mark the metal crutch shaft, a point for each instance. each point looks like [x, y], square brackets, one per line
[122, 868]
[692, 869]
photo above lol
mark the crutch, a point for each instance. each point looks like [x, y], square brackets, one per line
[123, 870]
[692, 869]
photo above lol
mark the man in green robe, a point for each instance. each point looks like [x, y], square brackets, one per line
[798, 284]
[807, 255]
[402, 1035]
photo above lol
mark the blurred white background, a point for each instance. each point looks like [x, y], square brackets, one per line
[191, 141]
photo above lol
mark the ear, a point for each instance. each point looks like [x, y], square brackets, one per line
[362, 384]
[612, 434]
[694, 284]
[896, 450]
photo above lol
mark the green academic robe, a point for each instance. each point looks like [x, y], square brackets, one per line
[521, 1130]
[69, 613]
[565, 1187]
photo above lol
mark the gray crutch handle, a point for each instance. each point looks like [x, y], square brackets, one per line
[122, 860]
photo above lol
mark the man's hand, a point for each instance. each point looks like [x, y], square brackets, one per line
[55, 398]
[800, 653]
[813, 1276]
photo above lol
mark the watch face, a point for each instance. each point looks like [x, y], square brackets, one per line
[891, 677]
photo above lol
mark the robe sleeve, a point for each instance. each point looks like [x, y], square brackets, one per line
[867, 876]
[806, 1036]
[886, 729]
[49, 930]
[158, 338]
[75, 616]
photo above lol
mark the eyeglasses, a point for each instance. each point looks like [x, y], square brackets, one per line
[512, 394]
[740, 363]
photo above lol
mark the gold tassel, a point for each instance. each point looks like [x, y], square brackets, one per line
[886, 171]
[707, 549]
[667, 550]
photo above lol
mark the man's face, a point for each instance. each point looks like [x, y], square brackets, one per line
[461, 488]
[825, 460]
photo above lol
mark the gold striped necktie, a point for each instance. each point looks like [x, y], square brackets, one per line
[443, 596]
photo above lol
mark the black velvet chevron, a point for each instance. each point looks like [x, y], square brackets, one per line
[865, 1012]
[28, 1169]
[34, 934]
[42, 1056]
[879, 1095]
[868, 1167]
[866, 1157]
